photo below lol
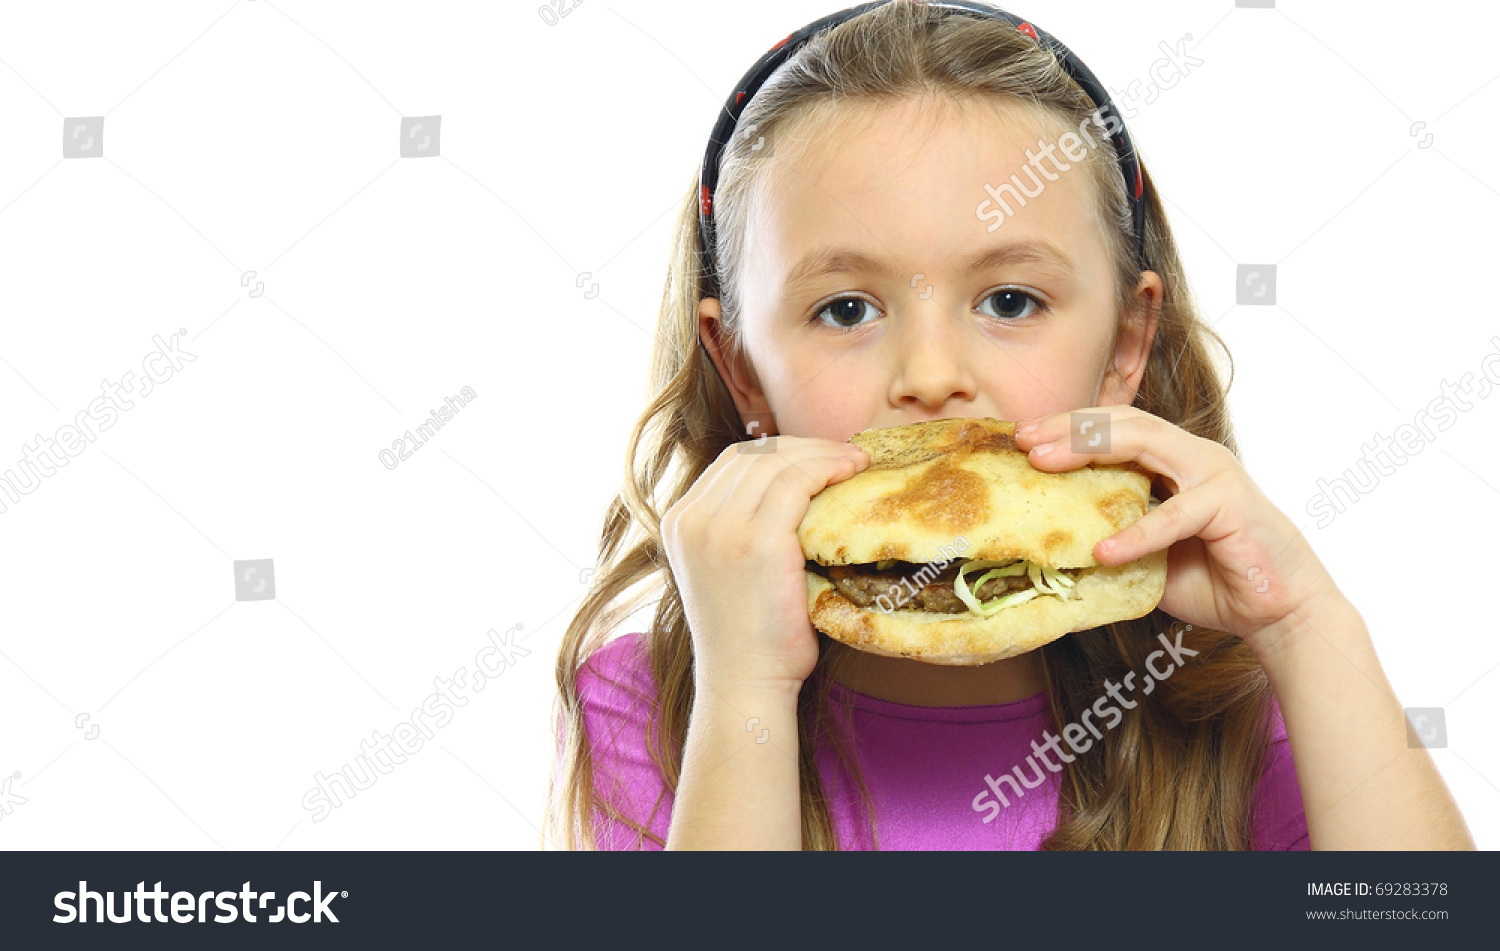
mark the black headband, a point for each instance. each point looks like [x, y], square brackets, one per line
[748, 85]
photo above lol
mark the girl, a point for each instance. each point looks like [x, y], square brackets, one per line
[858, 277]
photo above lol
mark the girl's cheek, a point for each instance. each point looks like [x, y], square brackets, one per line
[822, 421]
[826, 405]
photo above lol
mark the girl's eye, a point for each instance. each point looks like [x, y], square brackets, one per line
[846, 312]
[1011, 304]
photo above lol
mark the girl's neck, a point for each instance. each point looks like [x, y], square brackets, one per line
[931, 685]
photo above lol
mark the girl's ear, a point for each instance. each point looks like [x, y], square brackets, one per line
[734, 369]
[1133, 343]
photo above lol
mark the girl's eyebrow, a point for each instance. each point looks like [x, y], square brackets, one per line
[825, 261]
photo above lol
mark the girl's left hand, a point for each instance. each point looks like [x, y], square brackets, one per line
[1235, 562]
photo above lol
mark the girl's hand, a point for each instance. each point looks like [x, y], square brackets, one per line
[1235, 562]
[732, 545]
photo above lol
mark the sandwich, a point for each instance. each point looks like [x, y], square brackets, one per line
[950, 548]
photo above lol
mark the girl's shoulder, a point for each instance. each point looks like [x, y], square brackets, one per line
[1278, 821]
[616, 693]
[618, 672]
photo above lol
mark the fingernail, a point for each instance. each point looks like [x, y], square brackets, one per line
[1026, 427]
[1044, 448]
[1107, 545]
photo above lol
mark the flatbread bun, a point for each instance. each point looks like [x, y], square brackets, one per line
[962, 485]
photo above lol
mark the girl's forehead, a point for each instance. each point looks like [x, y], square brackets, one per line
[914, 175]
[912, 121]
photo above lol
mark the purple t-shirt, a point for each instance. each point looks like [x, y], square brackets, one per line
[932, 772]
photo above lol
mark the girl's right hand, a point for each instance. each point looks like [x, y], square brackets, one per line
[732, 545]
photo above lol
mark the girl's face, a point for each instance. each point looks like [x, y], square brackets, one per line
[874, 295]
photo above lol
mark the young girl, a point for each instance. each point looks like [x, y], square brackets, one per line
[860, 278]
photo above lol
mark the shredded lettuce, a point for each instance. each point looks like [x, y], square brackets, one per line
[1044, 580]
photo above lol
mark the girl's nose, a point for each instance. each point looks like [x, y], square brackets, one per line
[932, 359]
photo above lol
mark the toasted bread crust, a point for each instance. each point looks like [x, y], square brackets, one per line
[930, 485]
[1105, 594]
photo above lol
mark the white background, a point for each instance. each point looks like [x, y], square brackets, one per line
[263, 136]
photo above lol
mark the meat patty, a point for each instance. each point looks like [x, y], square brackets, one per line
[864, 585]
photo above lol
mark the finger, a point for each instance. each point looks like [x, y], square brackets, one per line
[1063, 441]
[786, 498]
[1184, 515]
[1092, 429]
[750, 488]
[710, 485]
[716, 485]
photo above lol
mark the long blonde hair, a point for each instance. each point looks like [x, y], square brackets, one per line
[1180, 770]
